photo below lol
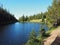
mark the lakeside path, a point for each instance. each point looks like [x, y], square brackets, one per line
[53, 39]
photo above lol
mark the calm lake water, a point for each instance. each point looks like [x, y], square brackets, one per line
[18, 33]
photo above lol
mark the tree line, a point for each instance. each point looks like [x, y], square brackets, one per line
[6, 17]
[53, 13]
[33, 17]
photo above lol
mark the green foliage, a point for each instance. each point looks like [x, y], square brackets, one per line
[26, 18]
[37, 16]
[31, 38]
[53, 11]
[36, 39]
[31, 42]
[6, 17]
[33, 35]
[22, 18]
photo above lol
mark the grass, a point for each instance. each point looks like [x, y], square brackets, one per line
[36, 20]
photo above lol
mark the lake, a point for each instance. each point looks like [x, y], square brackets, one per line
[18, 33]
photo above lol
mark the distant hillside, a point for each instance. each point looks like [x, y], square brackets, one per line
[6, 17]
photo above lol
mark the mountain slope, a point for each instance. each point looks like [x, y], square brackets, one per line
[6, 17]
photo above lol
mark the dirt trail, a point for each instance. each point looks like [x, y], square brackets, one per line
[52, 38]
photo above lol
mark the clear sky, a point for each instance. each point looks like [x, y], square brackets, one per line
[26, 7]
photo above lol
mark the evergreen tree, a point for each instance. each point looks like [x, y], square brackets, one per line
[32, 38]
[33, 35]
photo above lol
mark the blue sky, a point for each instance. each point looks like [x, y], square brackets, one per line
[26, 7]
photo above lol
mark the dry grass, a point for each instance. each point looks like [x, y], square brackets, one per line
[36, 20]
